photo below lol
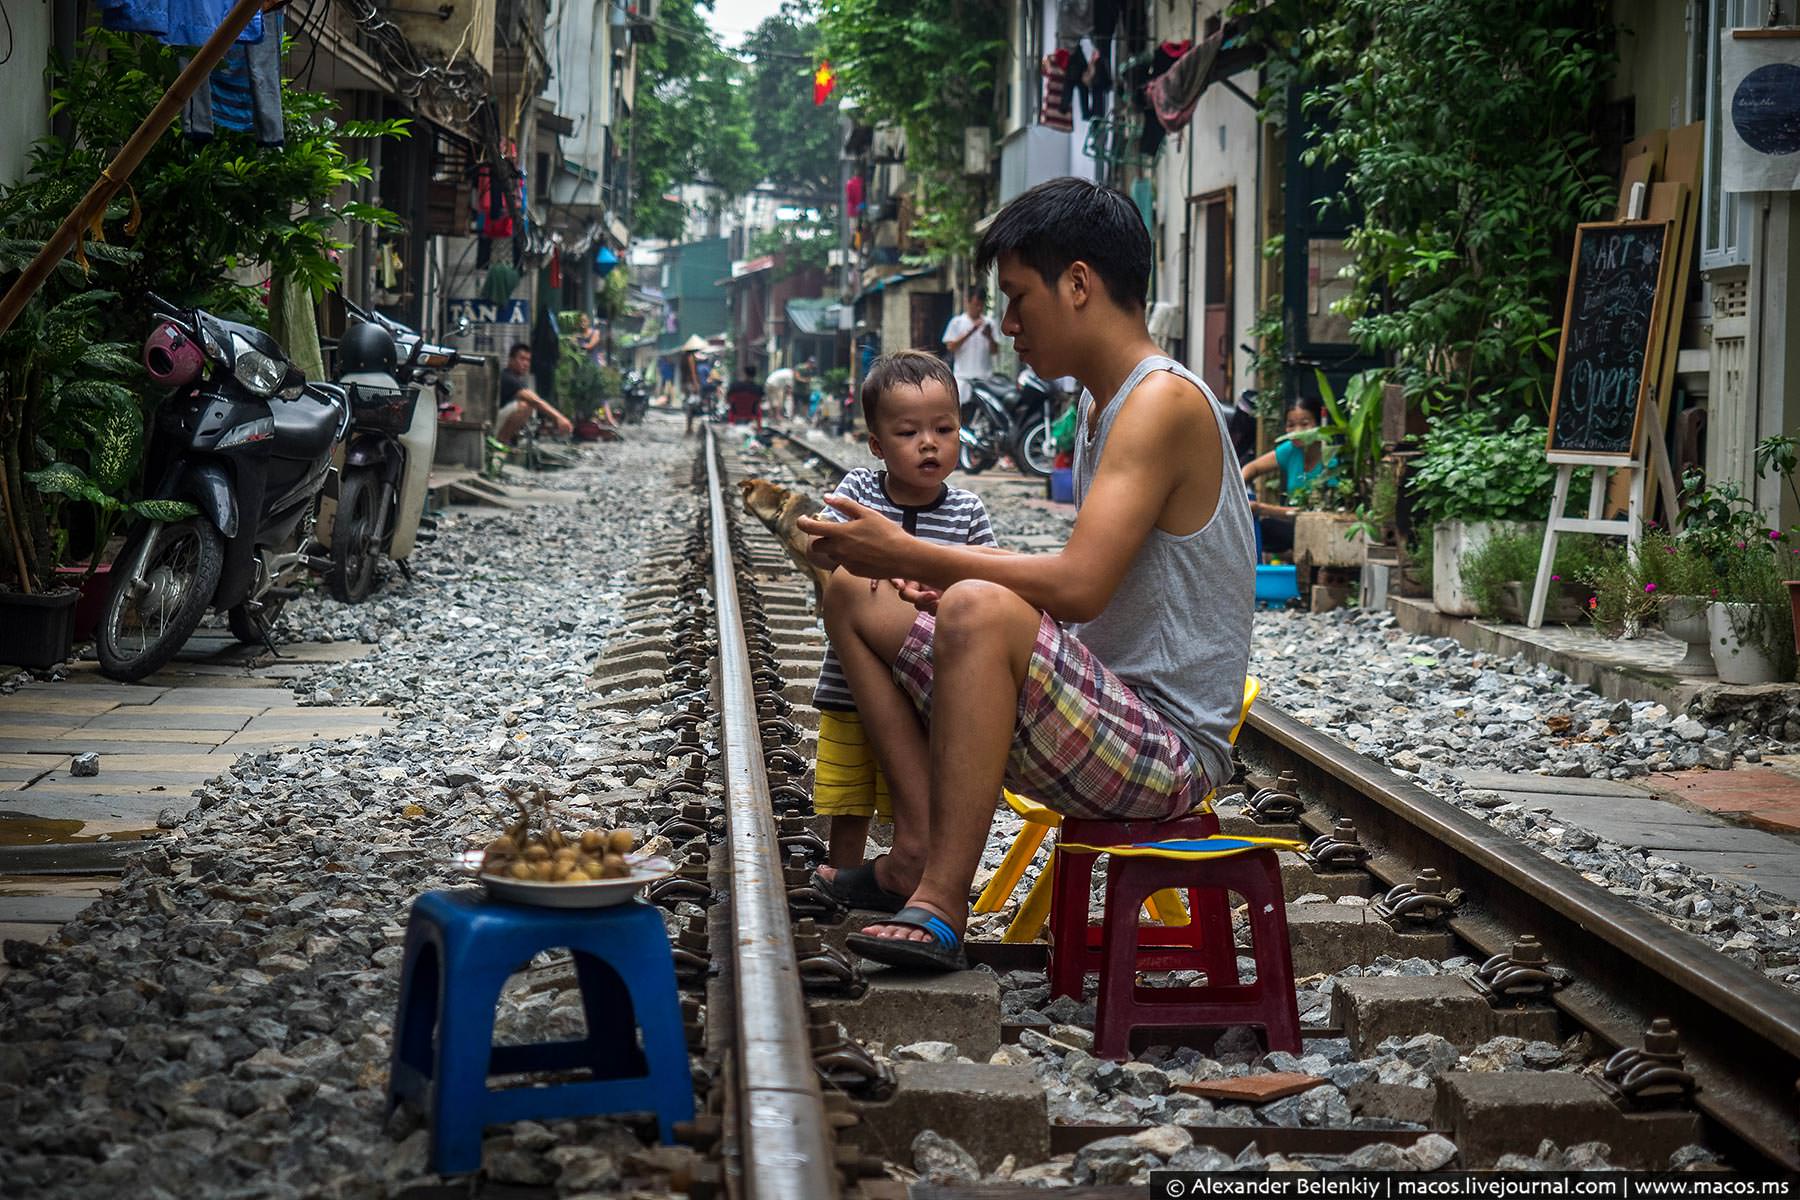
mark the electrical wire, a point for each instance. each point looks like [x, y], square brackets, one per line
[12, 41]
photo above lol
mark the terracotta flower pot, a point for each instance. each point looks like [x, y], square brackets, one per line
[1793, 587]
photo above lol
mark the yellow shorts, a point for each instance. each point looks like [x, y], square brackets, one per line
[846, 780]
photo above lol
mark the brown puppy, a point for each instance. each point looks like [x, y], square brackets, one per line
[779, 509]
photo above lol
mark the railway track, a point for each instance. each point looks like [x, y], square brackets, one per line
[785, 1079]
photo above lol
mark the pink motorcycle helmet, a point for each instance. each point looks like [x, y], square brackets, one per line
[171, 357]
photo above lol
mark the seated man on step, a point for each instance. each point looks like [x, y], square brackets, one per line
[1102, 680]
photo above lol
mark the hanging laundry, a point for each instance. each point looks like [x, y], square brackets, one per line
[1174, 94]
[1054, 112]
[1167, 54]
[492, 219]
[853, 195]
[244, 95]
[176, 22]
[1074, 20]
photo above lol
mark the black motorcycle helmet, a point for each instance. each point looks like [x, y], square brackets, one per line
[367, 349]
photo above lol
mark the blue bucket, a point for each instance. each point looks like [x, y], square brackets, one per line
[1062, 485]
[1275, 586]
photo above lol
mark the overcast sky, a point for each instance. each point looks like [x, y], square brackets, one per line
[732, 19]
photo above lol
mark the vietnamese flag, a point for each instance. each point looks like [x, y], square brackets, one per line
[824, 79]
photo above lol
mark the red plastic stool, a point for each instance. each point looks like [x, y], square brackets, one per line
[1077, 946]
[1268, 1002]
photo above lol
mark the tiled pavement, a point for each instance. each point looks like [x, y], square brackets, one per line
[1658, 817]
[158, 740]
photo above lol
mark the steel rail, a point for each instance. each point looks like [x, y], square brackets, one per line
[1740, 1031]
[783, 1136]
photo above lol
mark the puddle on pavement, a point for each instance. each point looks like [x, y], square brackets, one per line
[45, 831]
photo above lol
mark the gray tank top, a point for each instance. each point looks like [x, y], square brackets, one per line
[1177, 630]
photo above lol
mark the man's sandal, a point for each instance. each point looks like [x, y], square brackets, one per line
[944, 952]
[857, 887]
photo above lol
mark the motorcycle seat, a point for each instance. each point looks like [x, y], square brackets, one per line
[305, 428]
[370, 381]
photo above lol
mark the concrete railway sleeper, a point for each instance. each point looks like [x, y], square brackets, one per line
[1452, 1016]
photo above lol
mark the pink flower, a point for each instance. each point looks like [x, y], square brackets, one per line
[1649, 587]
[1740, 545]
[1775, 535]
[1558, 578]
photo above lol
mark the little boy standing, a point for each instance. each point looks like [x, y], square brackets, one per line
[909, 404]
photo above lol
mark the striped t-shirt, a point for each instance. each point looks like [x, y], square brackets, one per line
[956, 518]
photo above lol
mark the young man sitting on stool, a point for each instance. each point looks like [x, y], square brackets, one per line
[1102, 680]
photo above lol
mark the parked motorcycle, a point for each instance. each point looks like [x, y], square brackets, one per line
[986, 423]
[245, 443]
[1038, 404]
[637, 398]
[383, 366]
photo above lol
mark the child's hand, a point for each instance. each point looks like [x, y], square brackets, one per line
[917, 594]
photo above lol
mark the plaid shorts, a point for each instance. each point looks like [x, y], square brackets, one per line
[1083, 744]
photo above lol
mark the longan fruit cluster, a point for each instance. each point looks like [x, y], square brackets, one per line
[556, 857]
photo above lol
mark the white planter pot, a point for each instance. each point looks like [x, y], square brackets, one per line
[1684, 619]
[1740, 661]
[1451, 542]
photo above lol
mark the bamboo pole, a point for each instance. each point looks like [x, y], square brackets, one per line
[93, 205]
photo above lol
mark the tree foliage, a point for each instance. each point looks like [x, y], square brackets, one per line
[692, 123]
[929, 67]
[1464, 127]
[796, 140]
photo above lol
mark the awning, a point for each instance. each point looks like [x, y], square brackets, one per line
[887, 281]
[814, 318]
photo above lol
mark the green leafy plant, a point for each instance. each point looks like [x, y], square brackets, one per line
[928, 67]
[1756, 582]
[1676, 565]
[1723, 524]
[1512, 558]
[1352, 431]
[1463, 128]
[1625, 598]
[218, 215]
[1470, 472]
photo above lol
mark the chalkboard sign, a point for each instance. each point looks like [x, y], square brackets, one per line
[1612, 321]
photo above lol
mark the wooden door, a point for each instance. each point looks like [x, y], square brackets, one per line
[1213, 295]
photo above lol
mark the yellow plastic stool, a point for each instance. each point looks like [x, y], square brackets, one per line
[1166, 907]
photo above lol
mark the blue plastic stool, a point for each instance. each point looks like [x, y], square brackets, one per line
[460, 949]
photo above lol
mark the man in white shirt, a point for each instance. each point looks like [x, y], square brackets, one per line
[779, 390]
[971, 342]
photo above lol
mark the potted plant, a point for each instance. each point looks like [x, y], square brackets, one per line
[1336, 520]
[1472, 484]
[1751, 640]
[1685, 583]
[1498, 576]
[1781, 454]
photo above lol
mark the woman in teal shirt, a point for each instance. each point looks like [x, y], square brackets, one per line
[1299, 463]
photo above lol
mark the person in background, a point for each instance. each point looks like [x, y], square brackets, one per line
[778, 388]
[970, 339]
[691, 402]
[1300, 462]
[744, 400]
[586, 338]
[518, 403]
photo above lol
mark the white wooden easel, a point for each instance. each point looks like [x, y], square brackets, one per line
[1650, 454]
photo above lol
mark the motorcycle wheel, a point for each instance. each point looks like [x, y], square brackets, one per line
[255, 628]
[353, 552]
[1034, 450]
[139, 633]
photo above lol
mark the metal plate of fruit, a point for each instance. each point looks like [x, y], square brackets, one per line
[554, 869]
[584, 893]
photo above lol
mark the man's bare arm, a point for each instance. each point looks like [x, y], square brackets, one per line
[1127, 499]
